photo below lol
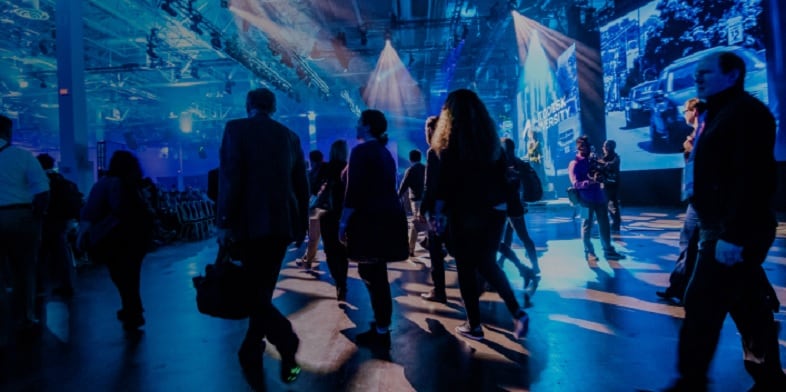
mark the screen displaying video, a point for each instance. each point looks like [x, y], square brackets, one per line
[549, 111]
[649, 56]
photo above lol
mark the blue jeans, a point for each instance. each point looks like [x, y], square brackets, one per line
[589, 213]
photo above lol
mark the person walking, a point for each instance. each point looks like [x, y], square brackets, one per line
[115, 228]
[373, 223]
[24, 196]
[262, 208]
[435, 242]
[730, 179]
[472, 197]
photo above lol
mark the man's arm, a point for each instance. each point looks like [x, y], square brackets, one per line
[229, 174]
[753, 157]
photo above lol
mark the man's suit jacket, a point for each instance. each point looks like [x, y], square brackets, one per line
[212, 184]
[263, 187]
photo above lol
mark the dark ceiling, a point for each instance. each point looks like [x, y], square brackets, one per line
[148, 61]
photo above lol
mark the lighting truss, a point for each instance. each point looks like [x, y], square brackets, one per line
[245, 56]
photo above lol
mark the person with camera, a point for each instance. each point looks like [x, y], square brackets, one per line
[586, 178]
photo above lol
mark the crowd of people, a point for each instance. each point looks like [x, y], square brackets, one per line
[466, 201]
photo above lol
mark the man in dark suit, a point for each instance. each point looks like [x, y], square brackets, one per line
[730, 180]
[262, 208]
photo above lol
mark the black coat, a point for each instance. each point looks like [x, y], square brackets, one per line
[734, 167]
[263, 188]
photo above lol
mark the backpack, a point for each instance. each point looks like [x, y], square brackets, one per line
[531, 187]
[65, 199]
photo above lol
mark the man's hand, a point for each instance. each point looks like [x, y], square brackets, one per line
[342, 233]
[727, 253]
[687, 145]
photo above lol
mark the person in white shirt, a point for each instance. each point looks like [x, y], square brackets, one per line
[24, 195]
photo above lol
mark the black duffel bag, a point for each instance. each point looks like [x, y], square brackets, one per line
[224, 290]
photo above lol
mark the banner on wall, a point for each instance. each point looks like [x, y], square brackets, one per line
[549, 112]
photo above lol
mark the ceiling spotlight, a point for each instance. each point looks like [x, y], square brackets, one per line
[167, 7]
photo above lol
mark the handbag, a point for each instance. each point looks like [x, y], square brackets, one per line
[324, 198]
[575, 197]
[96, 236]
[224, 291]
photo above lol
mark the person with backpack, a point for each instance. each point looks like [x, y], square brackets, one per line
[56, 265]
[517, 223]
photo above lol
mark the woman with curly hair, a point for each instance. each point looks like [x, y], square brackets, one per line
[473, 194]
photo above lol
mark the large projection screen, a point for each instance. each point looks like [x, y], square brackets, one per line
[648, 58]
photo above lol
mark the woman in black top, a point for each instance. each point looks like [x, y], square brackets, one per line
[473, 194]
[373, 223]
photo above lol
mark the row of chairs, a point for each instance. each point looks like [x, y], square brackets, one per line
[196, 219]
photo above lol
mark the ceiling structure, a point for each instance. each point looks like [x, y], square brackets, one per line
[149, 61]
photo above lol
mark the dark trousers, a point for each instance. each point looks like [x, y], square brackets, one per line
[519, 225]
[689, 247]
[124, 262]
[612, 191]
[600, 212]
[56, 265]
[375, 276]
[335, 251]
[20, 241]
[475, 248]
[436, 252]
[262, 258]
[716, 290]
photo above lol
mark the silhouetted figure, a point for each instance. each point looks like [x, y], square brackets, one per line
[24, 195]
[730, 179]
[262, 208]
[373, 224]
[436, 241]
[472, 196]
[117, 213]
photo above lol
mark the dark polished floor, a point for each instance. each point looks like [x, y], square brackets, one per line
[592, 329]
